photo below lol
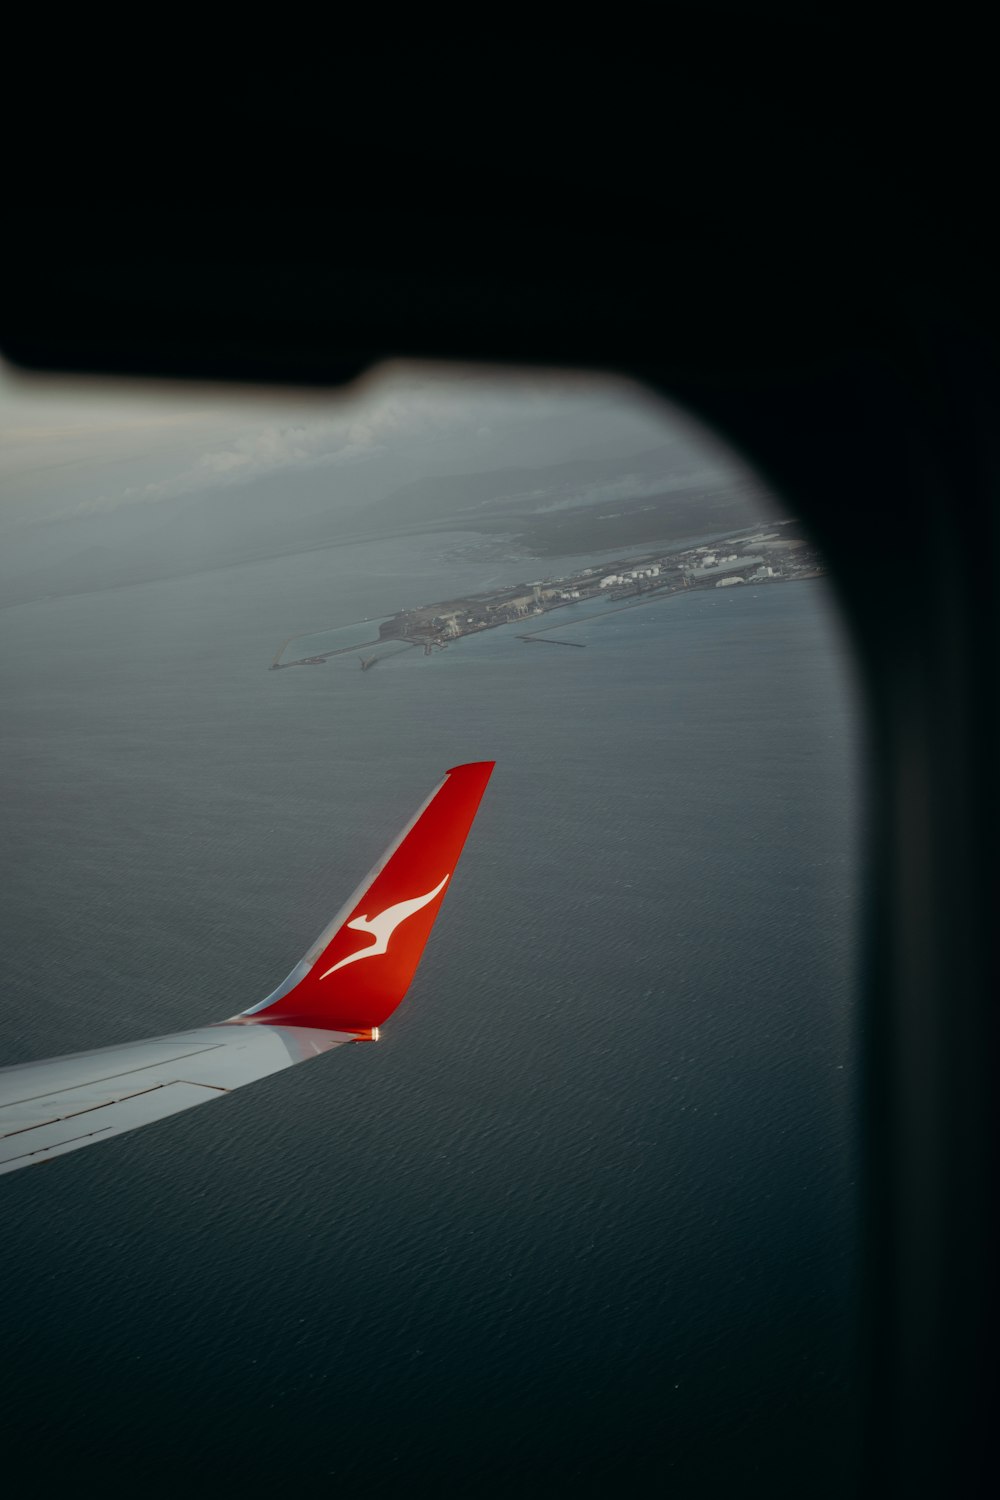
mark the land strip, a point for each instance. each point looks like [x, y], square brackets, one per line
[773, 555]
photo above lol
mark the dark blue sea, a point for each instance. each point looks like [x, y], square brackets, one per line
[584, 1220]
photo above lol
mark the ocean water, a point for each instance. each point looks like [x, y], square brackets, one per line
[584, 1220]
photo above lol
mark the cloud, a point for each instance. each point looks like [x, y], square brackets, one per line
[251, 455]
[385, 414]
[73, 452]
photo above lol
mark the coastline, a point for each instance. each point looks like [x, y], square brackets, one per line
[773, 555]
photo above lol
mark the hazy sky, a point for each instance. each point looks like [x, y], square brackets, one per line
[71, 449]
[107, 481]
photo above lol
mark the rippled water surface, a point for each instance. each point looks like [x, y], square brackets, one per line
[585, 1216]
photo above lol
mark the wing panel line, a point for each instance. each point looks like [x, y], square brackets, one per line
[163, 1062]
[87, 1136]
[75, 1114]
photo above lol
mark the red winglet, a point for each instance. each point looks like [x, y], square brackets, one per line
[359, 969]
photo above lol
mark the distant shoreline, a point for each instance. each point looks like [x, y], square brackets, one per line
[777, 557]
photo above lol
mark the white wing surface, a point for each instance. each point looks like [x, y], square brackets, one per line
[49, 1108]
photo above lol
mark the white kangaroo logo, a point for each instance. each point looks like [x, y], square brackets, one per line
[382, 927]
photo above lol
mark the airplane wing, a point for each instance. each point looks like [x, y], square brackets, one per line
[350, 981]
